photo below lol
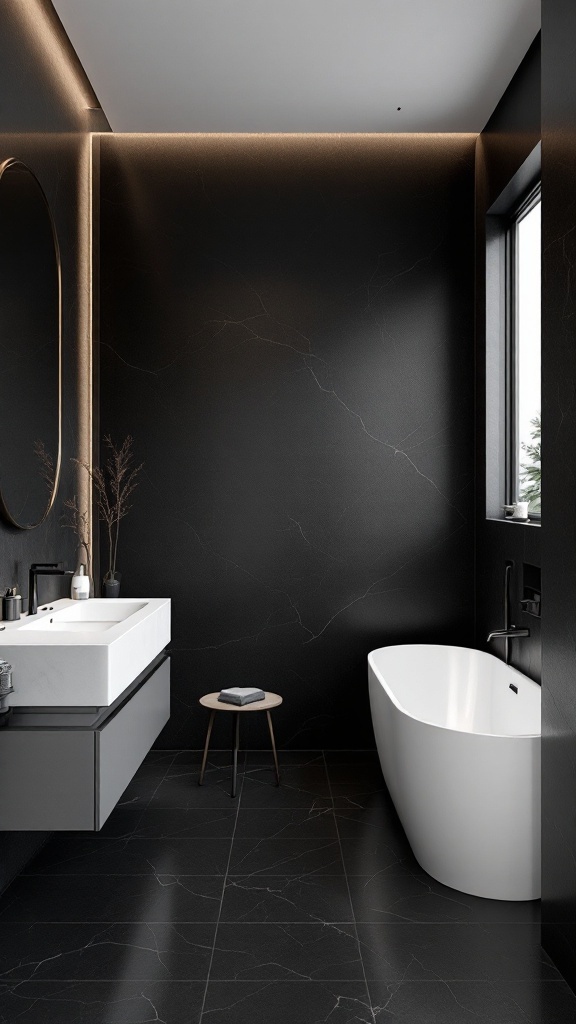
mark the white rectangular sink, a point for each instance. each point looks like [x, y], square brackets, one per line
[83, 653]
[85, 616]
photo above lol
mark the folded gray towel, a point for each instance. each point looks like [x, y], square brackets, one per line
[241, 695]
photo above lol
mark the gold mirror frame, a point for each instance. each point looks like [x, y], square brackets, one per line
[4, 510]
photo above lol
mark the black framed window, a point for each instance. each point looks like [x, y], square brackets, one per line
[523, 347]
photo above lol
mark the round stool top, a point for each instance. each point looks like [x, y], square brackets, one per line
[271, 700]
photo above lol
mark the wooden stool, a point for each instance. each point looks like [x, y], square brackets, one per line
[210, 700]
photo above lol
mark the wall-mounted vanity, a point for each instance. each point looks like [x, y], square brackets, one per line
[91, 694]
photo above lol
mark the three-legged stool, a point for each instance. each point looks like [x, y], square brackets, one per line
[210, 700]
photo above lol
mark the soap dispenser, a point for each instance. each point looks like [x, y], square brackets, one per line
[11, 607]
[80, 584]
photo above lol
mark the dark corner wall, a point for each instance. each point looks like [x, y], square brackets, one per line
[40, 124]
[559, 483]
[510, 136]
[287, 327]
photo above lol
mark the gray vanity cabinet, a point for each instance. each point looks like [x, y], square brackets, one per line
[67, 769]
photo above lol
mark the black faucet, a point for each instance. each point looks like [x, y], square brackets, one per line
[41, 569]
[510, 631]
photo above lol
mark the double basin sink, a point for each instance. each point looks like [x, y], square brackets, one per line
[83, 653]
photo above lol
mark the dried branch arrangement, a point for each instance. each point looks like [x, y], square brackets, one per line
[77, 519]
[113, 486]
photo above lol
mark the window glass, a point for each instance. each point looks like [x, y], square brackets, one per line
[528, 426]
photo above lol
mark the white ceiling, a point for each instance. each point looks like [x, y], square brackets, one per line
[299, 65]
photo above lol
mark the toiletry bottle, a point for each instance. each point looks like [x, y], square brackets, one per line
[11, 605]
[80, 584]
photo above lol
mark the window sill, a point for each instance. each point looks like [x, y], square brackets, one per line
[515, 522]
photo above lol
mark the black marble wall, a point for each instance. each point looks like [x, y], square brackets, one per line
[509, 137]
[287, 331]
[559, 483]
[42, 122]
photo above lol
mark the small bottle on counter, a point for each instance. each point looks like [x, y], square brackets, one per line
[80, 585]
[11, 605]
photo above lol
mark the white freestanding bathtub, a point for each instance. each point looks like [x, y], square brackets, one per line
[458, 735]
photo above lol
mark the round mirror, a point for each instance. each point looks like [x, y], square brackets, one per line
[30, 349]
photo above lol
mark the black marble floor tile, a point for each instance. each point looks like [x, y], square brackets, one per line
[363, 792]
[542, 1002]
[122, 823]
[286, 857]
[186, 893]
[355, 822]
[300, 823]
[159, 757]
[391, 896]
[477, 1002]
[167, 822]
[359, 771]
[363, 779]
[302, 786]
[377, 851]
[262, 793]
[355, 758]
[179, 789]
[106, 952]
[454, 952]
[314, 952]
[187, 822]
[287, 898]
[101, 1002]
[286, 1002]
[138, 794]
[217, 759]
[93, 854]
[358, 784]
[286, 758]
[117, 898]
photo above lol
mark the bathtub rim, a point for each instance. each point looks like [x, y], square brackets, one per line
[447, 728]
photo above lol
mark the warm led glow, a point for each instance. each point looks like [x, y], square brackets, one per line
[295, 135]
[52, 49]
[85, 327]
